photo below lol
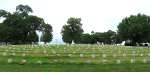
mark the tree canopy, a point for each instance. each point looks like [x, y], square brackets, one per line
[135, 28]
[72, 30]
[47, 34]
[20, 28]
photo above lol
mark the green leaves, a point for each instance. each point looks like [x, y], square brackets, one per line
[135, 28]
[72, 30]
[24, 9]
[47, 34]
[19, 27]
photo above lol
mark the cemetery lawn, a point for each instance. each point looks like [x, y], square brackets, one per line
[75, 68]
[74, 58]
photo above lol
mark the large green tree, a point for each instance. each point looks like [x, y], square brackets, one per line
[135, 28]
[47, 34]
[72, 31]
[20, 27]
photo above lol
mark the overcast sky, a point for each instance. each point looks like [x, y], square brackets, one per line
[96, 15]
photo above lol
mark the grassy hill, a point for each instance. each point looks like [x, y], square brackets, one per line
[74, 58]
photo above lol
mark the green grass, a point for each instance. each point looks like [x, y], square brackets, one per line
[74, 58]
[75, 68]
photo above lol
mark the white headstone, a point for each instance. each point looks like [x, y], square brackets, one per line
[81, 55]
[104, 55]
[10, 60]
[23, 54]
[44, 51]
[144, 61]
[39, 62]
[24, 61]
[58, 54]
[93, 55]
[69, 55]
[64, 48]
[141, 54]
[4, 54]
[13, 54]
[55, 60]
[72, 42]
[118, 61]
[88, 61]
[132, 61]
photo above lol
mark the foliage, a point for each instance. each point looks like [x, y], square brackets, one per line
[47, 34]
[72, 30]
[20, 27]
[108, 37]
[87, 39]
[135, 28]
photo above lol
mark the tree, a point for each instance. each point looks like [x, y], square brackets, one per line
[23, 9]
[104, 37]
[87, 39]
[110, 37]
[19, 27]
[72, 31]
[135, 28]
[32, 37]
[3, 32]
[47, 34]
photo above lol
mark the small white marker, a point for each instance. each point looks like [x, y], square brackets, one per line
[144, 61]
[118, 61]
[104, 55]
[132, 60]
[10, 60]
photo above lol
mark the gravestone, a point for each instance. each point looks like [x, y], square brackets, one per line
[81, 55]
[132, 61]
[118, 61]
[93, 55]
[104, 55]
[4, 53]
[10, 60]
[144, 61]
[39, 62]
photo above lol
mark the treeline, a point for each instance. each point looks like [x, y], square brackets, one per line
[109, 37]
[73, 32]
[20, 27]
[134, 30]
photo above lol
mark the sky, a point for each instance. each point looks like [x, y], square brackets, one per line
[96, 15]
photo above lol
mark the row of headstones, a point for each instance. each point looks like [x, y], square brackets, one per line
[17, 50]
[24, 49]
[65, 49]
[105, 55]
[70, 55]
[23, 61]
[13, 54]
[104, 61]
